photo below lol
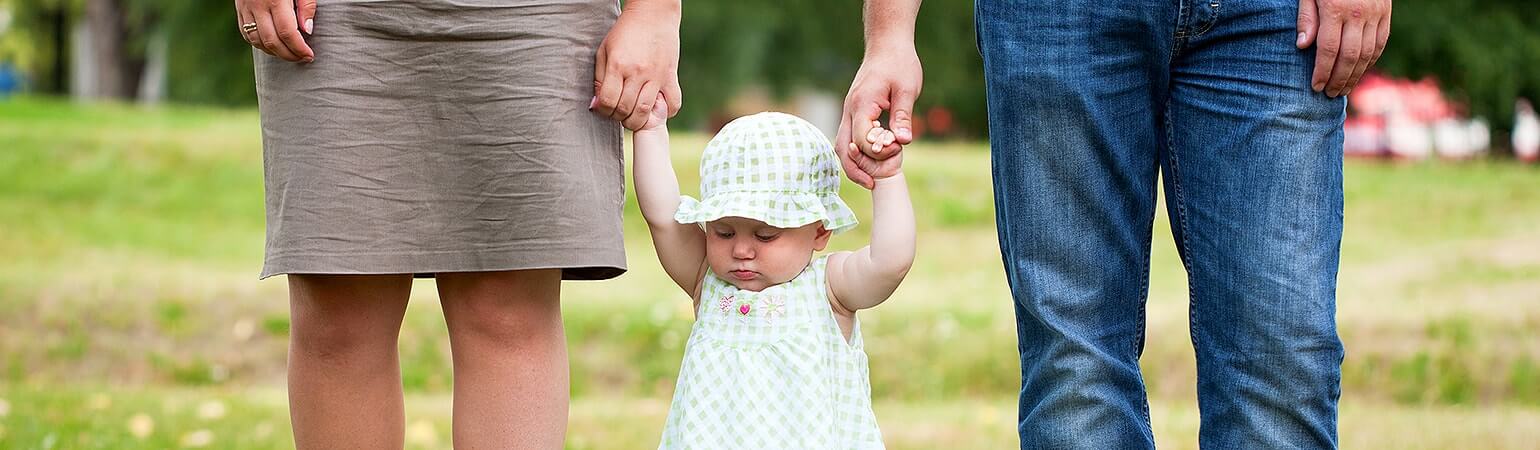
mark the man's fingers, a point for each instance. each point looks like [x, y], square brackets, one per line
[1327, 44]
[1347, 58]
[1366, 56]
[901, 118]
[856, 174]
[674, 96]
[1308, 22]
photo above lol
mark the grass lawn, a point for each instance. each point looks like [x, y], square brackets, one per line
[130, 313]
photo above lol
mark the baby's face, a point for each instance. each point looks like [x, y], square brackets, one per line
[753, 255]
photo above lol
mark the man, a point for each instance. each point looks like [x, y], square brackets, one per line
[1242, 122]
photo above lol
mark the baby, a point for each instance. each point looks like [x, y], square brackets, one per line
[775, 358]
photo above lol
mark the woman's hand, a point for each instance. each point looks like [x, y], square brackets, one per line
[638, 60]
[273, 26]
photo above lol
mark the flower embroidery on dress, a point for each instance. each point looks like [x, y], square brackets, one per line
[726, 303]
[774, 307]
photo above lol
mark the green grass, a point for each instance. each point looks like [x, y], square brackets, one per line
[132, 239]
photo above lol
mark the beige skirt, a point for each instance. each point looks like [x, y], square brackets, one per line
[442, 136]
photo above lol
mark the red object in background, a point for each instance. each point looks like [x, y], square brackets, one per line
[1421, 100]
[938, 120]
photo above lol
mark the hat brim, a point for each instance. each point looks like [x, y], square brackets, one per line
[778, 209]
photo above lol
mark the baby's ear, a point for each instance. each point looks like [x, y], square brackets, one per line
[821, 239]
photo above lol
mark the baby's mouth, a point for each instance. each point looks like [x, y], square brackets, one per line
[744, 275]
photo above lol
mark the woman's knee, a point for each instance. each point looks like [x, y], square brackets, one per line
[510, 308]
[334, 317]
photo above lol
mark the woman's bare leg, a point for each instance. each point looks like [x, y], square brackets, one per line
[510, 358]
[344, 371]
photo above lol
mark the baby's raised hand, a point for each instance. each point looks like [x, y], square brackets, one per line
[876, 139]
[658, 118]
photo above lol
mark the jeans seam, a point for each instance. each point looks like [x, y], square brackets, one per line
[1181, 218]
[1139, 340]
[1181, 19]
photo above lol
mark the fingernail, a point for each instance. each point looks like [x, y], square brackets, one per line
[1317, 86]
[309, 26]
[1300, 41]
[592, 101]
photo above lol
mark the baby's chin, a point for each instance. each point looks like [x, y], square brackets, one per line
[754, 285]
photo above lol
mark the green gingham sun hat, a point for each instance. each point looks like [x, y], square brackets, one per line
[772, 167]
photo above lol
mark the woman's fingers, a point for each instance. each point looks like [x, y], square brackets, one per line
[645, 98]
[286, 28]
[307, 16]
[243, 17]
[268, 35]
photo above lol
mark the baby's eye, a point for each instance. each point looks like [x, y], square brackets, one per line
[725, 234]
[763, 238]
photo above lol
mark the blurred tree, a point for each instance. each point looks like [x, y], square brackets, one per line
[1484, 53]
[208, 62]
[727, 45]
[117, 46]
[45, 24]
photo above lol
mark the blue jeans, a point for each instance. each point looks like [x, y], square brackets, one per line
[1091, 104]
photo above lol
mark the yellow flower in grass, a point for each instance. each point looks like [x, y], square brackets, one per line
[141, 425]
[200, 438]
[100, 402]
[211, 410]
[262, 431]
[422, 433]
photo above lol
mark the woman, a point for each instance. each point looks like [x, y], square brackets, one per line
[446, 138]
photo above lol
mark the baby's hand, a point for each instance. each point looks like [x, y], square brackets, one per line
[659, 116]
[876, 139]
[657, 119]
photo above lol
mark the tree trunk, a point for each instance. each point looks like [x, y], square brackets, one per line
[117, 74]
[59, 17]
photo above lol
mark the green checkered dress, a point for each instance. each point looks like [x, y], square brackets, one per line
[771, 370]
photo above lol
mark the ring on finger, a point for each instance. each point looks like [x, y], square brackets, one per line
[248, 28]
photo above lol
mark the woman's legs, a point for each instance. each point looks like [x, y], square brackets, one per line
[510, 358]
[344, 374]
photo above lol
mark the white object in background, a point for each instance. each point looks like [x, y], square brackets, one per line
[1480, 135]
[1526, 132]
[1407, 138]
[1362, 139]
[1450, 140]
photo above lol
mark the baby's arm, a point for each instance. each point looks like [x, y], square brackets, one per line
[866, 277]
[681, 247]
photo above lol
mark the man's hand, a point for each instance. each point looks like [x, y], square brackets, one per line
[1349, 36]
[889, 80]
